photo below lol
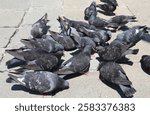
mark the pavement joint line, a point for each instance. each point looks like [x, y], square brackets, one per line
[2, 58]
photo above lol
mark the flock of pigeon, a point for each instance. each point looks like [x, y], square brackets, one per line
[40, 63]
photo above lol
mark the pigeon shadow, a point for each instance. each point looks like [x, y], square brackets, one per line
[146, 37]
[106, 13]
[115, 87]
[18, 87]
[75, 52]
[71, 76]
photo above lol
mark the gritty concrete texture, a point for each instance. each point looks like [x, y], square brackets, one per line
[16, 18]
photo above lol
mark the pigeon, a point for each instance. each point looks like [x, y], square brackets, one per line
[97, 21]
[91, 8]
[78, 24]
[83, 42]
[117, 22]
[114, 53]
[103, 35]
[131, 36]
[40, 81]
[106, 8]
[114, 73]
[145, 63]
[33, 59]
[47, 43]
[114, 2]
[78, 64]
[40, 27]
[65, 40]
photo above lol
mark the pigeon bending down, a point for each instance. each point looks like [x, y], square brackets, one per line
[114, 2]
[131, 36]
[33, 59]
[107, 8]
[97, 21]
[83, 41]
[120, 21]
[78, 24]
[114, 53]
[47, 43]
[79, 63]
[113, 73]
[88, 10]
[41, 81]
[65, 40]
[145, 63]
[101, 34]
[40, 27]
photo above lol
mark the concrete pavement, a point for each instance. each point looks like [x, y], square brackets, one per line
[16, 18]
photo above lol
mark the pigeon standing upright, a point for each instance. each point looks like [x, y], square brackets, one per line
[41, 81]
[40, 27]
[113, 73]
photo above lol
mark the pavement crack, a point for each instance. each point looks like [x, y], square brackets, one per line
[22, 19]
[130, 10]
[2, 58]
[10, 38]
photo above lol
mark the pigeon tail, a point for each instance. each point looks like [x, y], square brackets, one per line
[127, 90]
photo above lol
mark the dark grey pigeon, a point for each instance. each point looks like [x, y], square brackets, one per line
[79, 63]
[78, 24]
[114, 2]
[33, 59]
[100, 34]
[145, 63]
[88, 10]
[114, 53]
[47, 43]
[131, 36]
[65, 40]
[40, 81]
[120, 21]
[107, 9]
[40, 27]
[97, 21]
[114, 73]
[83, 41]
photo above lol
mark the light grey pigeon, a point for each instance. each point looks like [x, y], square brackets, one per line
[117, 22]
[131, 36]
[114, 73]
[79, 63]
[40, 27]
[145, 63]
[47, 43]
[33, 59]
[40, 81]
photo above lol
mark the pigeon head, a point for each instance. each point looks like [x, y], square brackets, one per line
[143, 58]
